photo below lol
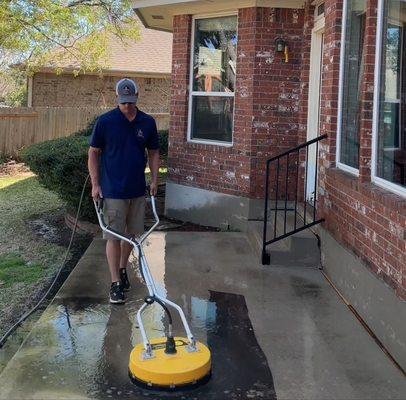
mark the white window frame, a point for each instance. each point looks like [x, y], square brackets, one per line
[344, 167]
[316, 5]
[217, 94]
[393, 187]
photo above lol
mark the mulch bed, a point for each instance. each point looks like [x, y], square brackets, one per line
[14, 168]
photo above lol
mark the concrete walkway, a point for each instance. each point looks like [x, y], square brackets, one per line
[274, 332]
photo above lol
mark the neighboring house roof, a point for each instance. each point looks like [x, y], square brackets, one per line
[150, 54]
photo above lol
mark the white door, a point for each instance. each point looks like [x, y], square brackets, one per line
[313, 116]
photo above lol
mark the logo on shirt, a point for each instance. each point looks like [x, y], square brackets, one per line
[140, 134]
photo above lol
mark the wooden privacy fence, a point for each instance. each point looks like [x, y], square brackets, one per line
[20, 127]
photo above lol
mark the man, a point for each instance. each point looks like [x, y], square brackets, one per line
[116, 163]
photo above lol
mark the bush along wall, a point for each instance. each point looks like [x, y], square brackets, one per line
[61, 166]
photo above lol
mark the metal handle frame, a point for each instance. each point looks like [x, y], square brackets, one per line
[149, 281]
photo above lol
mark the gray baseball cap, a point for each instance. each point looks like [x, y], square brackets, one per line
[127, 91]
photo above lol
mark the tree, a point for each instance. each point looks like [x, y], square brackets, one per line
[37, 33]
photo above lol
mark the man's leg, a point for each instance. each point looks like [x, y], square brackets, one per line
[113, 258]
[126, 249]
[115, 211]
[135, 228]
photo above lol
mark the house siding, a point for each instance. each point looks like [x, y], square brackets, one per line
[266, 105]
[368, 220]
[271, 116]
[66, 90]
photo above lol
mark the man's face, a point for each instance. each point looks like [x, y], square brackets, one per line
[127, 108]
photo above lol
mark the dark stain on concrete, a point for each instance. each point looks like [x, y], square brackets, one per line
[240, 369]
[305, 288]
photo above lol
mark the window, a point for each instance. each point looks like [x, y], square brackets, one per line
[351, 69]
[319, 10]
[213, 70]
[389, 133]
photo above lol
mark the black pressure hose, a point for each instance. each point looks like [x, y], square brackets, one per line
[170, 346]
[26, 315]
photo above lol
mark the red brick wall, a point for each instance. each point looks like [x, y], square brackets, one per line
[304, 90]
[66, 90]
[209, 167]
[277, 90]
[367, 88]
[368, 220]
[305, 70]
[271, 116]
[266, 104]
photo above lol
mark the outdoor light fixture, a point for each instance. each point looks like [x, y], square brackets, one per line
[282, 47]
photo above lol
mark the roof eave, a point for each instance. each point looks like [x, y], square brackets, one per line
[144, 22]
[158, 14]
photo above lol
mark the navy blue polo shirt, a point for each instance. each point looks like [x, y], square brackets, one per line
[123, 157]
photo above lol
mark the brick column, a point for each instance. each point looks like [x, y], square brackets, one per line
[367, 89]
[329, 96]
[182, 25]
[305, 70]
[274, 85]
[304, 90]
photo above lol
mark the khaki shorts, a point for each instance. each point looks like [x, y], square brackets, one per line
[124, 215]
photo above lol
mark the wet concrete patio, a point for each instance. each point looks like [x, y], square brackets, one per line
[274, 333]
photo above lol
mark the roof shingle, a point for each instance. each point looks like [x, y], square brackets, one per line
[150, 54]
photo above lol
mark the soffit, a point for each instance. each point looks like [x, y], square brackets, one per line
[158, 14]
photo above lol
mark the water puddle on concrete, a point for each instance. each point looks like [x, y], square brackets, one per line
[240, 369]
[81, 350]
[80, 347]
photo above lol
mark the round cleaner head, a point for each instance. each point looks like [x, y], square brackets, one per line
[170, 371]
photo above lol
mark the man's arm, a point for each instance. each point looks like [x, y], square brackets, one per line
[153, 161]
[93, 164]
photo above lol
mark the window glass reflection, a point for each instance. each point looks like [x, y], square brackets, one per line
[212, 118]
[353, 68]
[391, 154]
[215, 54]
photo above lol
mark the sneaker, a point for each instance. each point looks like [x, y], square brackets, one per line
[116, 293]
[125, 283]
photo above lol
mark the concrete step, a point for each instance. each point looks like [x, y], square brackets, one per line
[300, 249]
[254, 234]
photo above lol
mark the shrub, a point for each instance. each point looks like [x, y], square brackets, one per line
[61, 166]
[88, 130]
[3, 159]
[163, 144]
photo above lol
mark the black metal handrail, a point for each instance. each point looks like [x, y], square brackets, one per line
[285, 209]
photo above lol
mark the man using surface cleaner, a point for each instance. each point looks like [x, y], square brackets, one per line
[117, 161]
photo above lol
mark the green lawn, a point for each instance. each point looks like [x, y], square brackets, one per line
[26, 260]
[14, 270]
